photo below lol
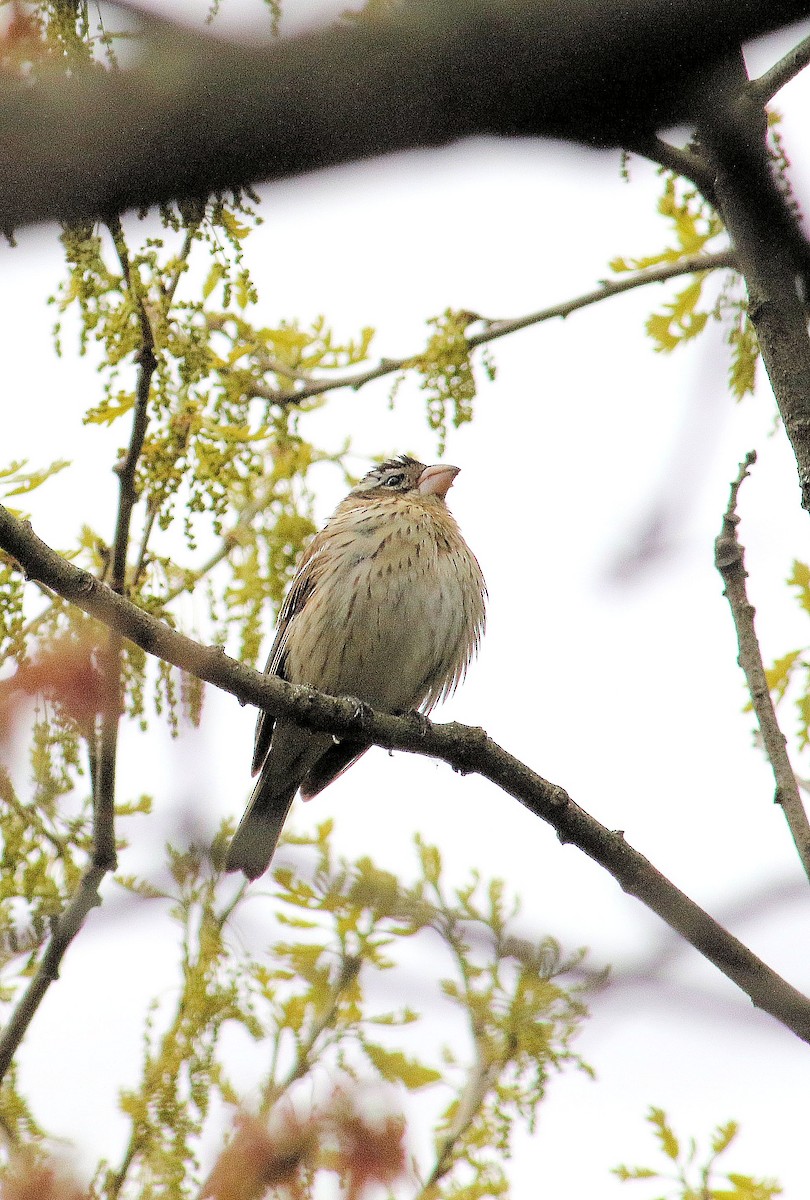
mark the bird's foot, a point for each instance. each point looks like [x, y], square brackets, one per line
[420, 721]
[362, 712]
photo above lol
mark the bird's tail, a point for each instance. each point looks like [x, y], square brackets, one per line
[254, 842]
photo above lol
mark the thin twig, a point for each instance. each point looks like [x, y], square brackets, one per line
[140, 562]
[181, 264]
[729, 560]
[691, 265]
[767, 85]
[494, 329]
[480, 1076]
[230, 538]
[104, 791]
[116, 1180]
[465, 748]
[125, 470]
[308, 1039]
[33, 625]
[64, 931]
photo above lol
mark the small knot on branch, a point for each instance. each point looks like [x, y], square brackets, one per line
[85, 584]
[728, 553]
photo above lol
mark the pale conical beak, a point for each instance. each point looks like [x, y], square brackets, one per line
[437, 480]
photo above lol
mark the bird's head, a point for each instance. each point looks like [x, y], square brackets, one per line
[403, 475]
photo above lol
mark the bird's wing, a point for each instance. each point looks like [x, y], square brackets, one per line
[330, 766]
[296, 598]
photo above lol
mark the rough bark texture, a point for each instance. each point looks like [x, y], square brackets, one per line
[771, 253]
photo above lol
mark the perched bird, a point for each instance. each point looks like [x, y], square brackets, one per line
[387, 606]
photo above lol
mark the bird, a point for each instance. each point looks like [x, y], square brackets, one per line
[388, 605]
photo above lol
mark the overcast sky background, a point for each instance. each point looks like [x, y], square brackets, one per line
[611, 672]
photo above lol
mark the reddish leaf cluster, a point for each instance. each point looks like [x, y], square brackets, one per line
[64, 672]
[20, 38]
[30, 1180]
[340, 1138]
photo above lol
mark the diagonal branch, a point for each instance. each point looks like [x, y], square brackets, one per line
[498, 328]
[729, 560]
[764, 88]
[464, 748]
[64, 930]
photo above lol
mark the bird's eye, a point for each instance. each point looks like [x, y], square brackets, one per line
[394, 481]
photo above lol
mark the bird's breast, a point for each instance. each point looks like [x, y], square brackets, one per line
[394, 616]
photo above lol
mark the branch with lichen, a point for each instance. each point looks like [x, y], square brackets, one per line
[729, 559]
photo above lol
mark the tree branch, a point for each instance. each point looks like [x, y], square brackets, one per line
[498, 328]
[126, 469]
[198, 115]
[772, 253]
[729, 560]
[464, 748]
[64, 931]
[689, 162]
[764, 88]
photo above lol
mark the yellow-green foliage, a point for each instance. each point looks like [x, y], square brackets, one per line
[691, 1174]
[790, 673]
[447, 374]
[696, 228]
[311, 1004]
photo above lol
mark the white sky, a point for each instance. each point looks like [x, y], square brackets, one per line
[625, 692]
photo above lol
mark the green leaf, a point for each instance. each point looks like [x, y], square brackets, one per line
[780, 672]
[800, 579]
[431, 861]
[664, 1132]
[679, 321]
[232, 226]
[625, 1173]
[395, 1067]
[803, 710]
[742, 339]
[23, 482]
[214, 276]
[724, 1135]
[110, 409]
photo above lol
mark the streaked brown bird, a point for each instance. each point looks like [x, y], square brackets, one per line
[387, 606]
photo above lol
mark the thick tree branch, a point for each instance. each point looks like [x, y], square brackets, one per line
[198, 115]
[464, 748]
[772, 253]
[729, 560]
[501, 327]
